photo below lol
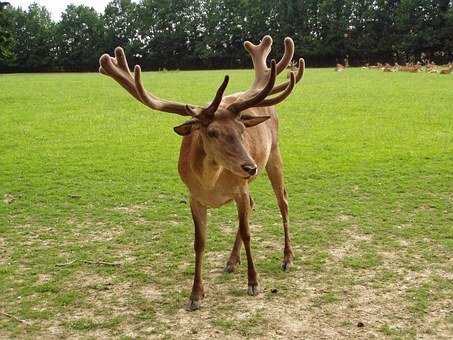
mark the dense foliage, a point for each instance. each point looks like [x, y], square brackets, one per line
[209, 33]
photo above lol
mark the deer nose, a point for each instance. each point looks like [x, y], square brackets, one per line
[250, 169]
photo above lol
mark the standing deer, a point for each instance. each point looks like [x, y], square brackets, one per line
[225, 146]
[447, 70]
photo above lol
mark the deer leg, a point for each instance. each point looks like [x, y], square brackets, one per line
[235, 256]
[274, 169]
[199, 215]
[243, 206]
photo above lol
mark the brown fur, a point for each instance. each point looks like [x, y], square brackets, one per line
[226, 146]
[447, 70]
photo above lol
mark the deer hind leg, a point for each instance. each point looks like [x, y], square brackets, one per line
[199, 215]
[274, 169]
[243, 206]
[235, 255]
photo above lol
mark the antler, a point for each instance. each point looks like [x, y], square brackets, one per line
[208, 112]
[118, 69]
[264, 75]
[254, 100]
[298, 77]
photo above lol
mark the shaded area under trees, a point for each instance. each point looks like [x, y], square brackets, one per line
[209, 33]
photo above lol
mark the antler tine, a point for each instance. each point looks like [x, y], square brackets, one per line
[282, 96]
[218, 97]
[154, 102]
[111, 67]
[259, 53]
[118, 69]
[208, 113]
[239, 106]
[122, 61]
[287, 56]
[298, 77]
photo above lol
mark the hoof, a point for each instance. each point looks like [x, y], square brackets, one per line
[254, 289]
[193, 305]
[286, 264]
[230, 267]
[287, 261]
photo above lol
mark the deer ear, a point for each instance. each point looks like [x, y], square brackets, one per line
[250, 121]
[185, 128]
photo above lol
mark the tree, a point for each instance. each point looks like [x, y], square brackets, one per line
[6, 36]
[120, 26]
[210, 33]
[168, 30]
[79, 37]
[33, 39]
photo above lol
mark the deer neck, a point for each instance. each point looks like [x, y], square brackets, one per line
[204, 166]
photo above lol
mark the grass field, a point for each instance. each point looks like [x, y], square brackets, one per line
[89, 175]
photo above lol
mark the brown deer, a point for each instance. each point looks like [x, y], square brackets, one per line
[387, 68]
[225, 146]
[339, 68]
[410, 67]
[377, 66]
[447, 70]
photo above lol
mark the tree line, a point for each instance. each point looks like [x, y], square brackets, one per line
[185, 34]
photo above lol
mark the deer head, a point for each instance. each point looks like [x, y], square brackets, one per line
[220, 126]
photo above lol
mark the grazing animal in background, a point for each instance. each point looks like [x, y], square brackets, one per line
[432, 67]
[447, 70]
[225, 146]
[387, 68]
[339, 68]
[377, 66]
[293, 67]
[410, 67]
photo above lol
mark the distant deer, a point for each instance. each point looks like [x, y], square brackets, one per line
[346, 62]
[410, 67]
[387, 68]
[447, 70]
[377, 66]
[430, 65]
[225, 146]
[293, 67]
[339, 68]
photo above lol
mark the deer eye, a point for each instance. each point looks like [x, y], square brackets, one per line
[213, 133]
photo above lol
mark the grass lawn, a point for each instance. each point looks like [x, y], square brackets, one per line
[87, 174]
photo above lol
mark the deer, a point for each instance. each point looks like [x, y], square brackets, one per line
[225, 146]
[387, 68]
[410, 67]
[339, 68]
[377, 66]
[447, 70]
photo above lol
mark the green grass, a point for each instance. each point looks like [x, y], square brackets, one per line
[88, 174]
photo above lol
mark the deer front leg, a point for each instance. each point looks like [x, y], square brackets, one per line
[243, 206]
[199, 215]
[274, 169]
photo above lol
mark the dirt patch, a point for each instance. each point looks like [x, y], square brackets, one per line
[4, 253]
[344, 218]
[132, 209]
[8, 198]
[352, 240]
[150, 292]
